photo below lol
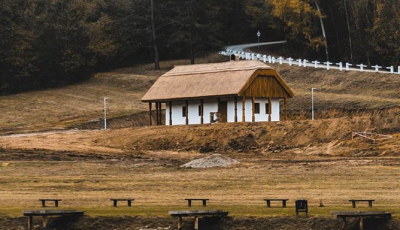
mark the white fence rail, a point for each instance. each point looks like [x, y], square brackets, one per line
[306, 63]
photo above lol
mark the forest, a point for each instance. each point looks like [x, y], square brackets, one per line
[47, 43]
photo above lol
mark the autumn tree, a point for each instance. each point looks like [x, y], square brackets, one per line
[300, 20]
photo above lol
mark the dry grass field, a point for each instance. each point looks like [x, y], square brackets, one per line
[158, 183]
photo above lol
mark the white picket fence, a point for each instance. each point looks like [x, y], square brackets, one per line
[306, 63]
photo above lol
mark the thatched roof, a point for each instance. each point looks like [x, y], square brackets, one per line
[205, 80]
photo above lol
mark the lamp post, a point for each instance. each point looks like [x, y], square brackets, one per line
[105, 113]
[312, 103]
[258, 36]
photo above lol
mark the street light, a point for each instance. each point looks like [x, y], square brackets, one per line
[312, 103]
[105, 113]
[258, 36]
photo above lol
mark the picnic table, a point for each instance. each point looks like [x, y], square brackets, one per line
[343, 215]
[115, 202]
[196, 214]
[56, 201]
[353, 202]
[192, 199]
[47, 213]
[269, 202]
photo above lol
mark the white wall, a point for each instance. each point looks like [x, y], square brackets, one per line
[212, 106]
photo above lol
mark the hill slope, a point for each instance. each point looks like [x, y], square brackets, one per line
[76, 104]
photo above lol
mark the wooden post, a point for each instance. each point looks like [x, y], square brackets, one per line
[170, 113]
[269, 109]
[253, 118]
[286, 108]
[202, 111]
[157, 113]
[244, 108]
[160, 112]
[236, 100]
[150, 121]
[187, 112]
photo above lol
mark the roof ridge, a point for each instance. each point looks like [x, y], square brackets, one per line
[168, 74]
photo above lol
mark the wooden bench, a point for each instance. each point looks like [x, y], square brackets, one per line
[196, 214]
[47, 213]
[353, 202]
[283, 202]
[115, 202]
[192, 199]
[56, 201]
[343, 215]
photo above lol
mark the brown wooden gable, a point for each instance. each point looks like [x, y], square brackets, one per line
[266, 83]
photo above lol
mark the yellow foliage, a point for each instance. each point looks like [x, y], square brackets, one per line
[300, 19]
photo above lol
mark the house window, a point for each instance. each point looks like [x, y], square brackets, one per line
[257, 108]
[183, 111]
[267, 108]
[200, 110]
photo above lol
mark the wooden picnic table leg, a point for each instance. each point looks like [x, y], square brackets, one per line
[56, 203]
[129, 203]
[361, 223]
[45, 221]
[30, 222]
[204, 203]
[268, 203]
[284, 203]
[180, 223]
[344, 223]
[115, 203]
[370, 203]
[189, 203]
[43, 203]
[353, 203]
[196, 223]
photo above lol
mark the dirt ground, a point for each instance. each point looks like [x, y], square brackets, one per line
[251, 223]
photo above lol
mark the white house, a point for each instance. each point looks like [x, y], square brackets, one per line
[234, 91]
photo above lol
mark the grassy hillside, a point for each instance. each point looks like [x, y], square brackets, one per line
[75, 104]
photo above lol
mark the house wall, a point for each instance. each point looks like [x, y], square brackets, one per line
[212, 106]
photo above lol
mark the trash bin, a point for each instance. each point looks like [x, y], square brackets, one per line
[301, 206]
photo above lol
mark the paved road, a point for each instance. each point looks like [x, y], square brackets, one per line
[245, 47]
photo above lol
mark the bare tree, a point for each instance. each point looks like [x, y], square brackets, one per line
[154, 36]
[323, 30]
[349, 29]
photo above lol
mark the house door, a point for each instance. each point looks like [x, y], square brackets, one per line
[223, 108]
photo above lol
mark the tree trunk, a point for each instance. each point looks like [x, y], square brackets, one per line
[323, 30]
[191, 27]
[191, 46]
[154, 37]
[348, 27]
